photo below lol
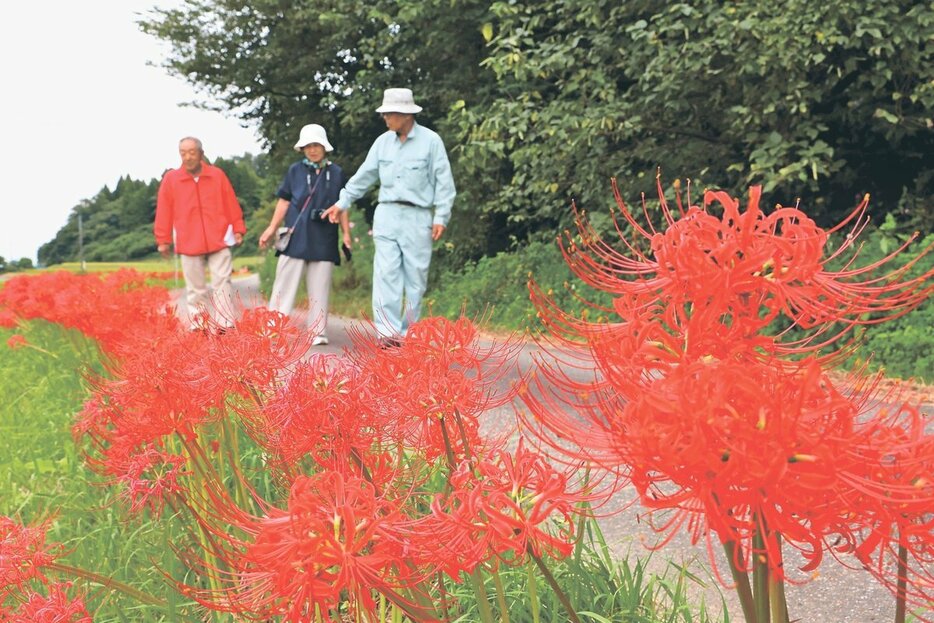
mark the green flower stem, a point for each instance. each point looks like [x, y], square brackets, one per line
[741, 579]
[533, 595]
[483, 602]
[901, 589]
[501, 597]
[777, 603]
[202, 474]
[232, 449]
[460, 427]
[107, 582]
[760, 576]
[444, 598]
[41, 350]
[448, 449]
[358, 460]
[476, 580]
[553, 583]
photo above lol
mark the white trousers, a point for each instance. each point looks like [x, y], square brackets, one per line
[218, 300]
[317, 282]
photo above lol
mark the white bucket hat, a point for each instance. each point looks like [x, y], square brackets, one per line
[399, 100]
[313, 133]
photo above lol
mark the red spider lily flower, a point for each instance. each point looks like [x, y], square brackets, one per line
[505, 505]
[317, 413]
[432, 388]
[251, 357]
[57, 607]
[8, 319]
[687, 396]
[733, 447]
[335, 541]
[23, 554]
[888, 503]
[16, 341]
[148, 477]
[89, 302]
[155, 392]
[743, 265]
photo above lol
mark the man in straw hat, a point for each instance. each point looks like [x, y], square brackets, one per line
[416, 192]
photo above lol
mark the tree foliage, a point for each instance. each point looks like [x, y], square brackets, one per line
[117, 224]
[542, 102]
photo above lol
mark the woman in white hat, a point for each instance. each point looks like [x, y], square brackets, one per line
[309, 187]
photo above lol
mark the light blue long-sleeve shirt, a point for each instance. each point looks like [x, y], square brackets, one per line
[415, 172]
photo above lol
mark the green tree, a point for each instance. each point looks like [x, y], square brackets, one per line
[542, 102]
[823, 101]
[118, 223]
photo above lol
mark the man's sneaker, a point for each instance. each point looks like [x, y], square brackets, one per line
[319, 340]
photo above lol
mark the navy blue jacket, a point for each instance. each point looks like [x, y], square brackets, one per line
[314, 239]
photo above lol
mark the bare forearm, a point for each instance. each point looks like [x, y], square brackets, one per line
[278, 215]
[282, 206]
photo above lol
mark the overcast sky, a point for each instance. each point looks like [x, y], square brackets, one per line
[80, 107]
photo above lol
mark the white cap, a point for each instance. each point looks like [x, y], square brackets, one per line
[399, 100]
[313, 133]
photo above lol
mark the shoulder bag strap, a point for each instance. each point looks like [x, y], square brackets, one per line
[311, 192]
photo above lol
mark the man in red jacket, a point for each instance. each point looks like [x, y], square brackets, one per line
[197, 201]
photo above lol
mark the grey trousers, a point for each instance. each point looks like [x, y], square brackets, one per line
[218, 300]
[317, 282]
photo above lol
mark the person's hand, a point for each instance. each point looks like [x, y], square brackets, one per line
[164, 249]
[238, 239]
[346, 240]
[437, 231]
[332, 214]
[266, 236]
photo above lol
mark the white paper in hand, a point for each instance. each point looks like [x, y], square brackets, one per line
[229, 238]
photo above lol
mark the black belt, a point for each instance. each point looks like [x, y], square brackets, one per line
[404, 203]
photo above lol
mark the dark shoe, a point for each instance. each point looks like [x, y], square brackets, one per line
[389, 342]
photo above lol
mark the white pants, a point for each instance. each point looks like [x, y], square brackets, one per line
[317, 282]
[218, 300]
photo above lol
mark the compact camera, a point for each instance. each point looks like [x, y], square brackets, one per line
[316, 213]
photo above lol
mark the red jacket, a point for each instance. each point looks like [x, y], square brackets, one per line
[198, 211]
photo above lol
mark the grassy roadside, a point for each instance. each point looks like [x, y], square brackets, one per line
[43, 476]
[153, 265]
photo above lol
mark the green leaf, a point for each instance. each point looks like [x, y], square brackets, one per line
[487, 32]
[881, 113]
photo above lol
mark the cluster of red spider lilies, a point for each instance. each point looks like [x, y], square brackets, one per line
[733, 430]
[315, 486]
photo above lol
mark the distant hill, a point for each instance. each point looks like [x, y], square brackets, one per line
[117, 223]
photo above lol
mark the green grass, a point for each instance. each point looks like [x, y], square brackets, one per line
[43, 477]
[154, 265]
[601, 588]
[249, 263]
